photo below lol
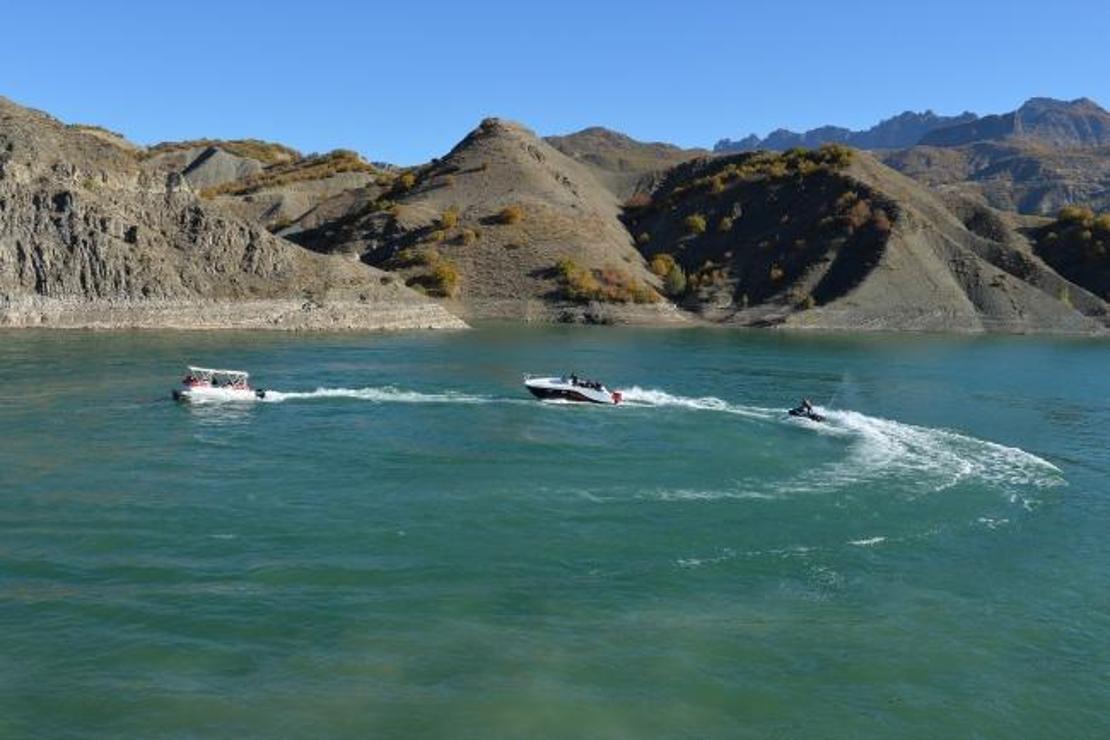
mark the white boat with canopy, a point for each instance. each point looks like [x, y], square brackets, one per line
[202, 384]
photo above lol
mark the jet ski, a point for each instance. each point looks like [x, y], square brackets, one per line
[805, 411]
[571, 388]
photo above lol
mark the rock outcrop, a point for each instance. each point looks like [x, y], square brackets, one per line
[91, 235]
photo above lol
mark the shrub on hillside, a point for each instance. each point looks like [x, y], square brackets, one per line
[1075, 214]
[315, 167]
[449, 218]
[511, 215]
[725, 224]
[407, 180]
[695, 224]
[881, 221]
[675, 281]
[409, 257]
[444, 279]
[611, 285]
[858, 215]
[661, 264]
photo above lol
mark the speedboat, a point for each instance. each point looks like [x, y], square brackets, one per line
[571, 388]
[204, 384]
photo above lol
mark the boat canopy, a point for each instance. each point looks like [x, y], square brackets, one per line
[207, 373]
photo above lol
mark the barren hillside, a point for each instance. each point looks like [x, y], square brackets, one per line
[833, 239]
[90, 235]
[504, 225]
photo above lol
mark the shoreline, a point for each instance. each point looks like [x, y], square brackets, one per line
[345, 316]
[204, 315]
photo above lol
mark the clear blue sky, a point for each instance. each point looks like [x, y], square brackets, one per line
[404, 80]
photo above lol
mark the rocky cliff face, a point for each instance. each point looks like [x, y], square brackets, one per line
[86, 227]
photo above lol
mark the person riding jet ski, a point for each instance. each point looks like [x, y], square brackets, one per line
[805, 411]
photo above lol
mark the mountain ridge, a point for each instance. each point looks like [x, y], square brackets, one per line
[589, 227]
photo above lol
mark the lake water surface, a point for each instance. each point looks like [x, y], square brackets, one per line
[401, 543]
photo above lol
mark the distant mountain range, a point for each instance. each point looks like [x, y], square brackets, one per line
[1080, 122]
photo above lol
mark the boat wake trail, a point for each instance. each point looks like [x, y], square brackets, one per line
[637, 396]
[386, 394]
[935, 459]
[878, 449]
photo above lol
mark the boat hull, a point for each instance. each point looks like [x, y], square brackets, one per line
[556, 389]
[200, 394]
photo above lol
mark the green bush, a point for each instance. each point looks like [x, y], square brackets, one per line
[675, 281]
[610, 285]
[302, 170]
[449, 218]
[1076, 214]
[444, 279]
[695, 224]
[661, 264]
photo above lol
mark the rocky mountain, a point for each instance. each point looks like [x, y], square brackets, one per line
[94, 234]
[621, 163]
[1013, 175]
[505, 225]
[831, 238]
[903, 130]
[1037, 159]
[1055, 123]
[95, 231]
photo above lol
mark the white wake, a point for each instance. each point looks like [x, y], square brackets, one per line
[936, 458]
[637, 396]
[386, 394]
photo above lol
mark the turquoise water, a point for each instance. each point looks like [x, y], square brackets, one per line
[418, 549]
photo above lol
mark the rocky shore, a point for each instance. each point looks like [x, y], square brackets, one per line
[287, 315]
